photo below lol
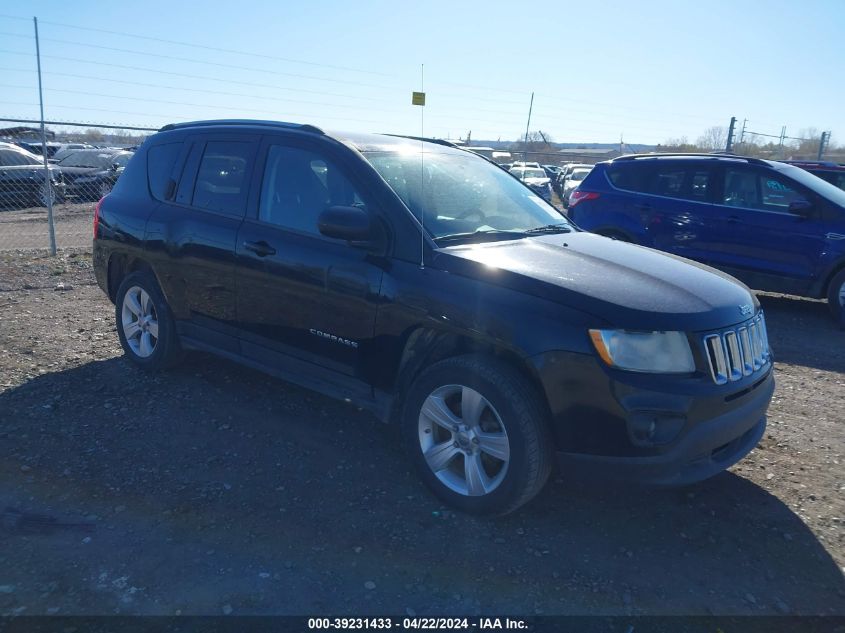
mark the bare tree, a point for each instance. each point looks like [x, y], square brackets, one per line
[715, 138]
[681, 144]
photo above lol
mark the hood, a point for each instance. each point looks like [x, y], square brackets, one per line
[625, 285]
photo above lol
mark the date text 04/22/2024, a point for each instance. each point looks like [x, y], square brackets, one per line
[415, 623]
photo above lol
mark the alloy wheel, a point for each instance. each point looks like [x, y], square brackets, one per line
[463, 440]
[139, 321]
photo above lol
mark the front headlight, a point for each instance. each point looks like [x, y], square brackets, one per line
[653, 352]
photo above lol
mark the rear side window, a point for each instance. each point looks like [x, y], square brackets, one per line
[629, 176]
[686, 181]
[222, 182]
[160, 161]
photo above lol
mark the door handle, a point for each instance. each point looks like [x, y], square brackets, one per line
[643, 206]
[262, 248]
[733, 219]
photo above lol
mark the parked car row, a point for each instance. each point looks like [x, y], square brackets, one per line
[82, 174]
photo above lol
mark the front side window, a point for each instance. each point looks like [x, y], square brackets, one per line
[457, 194]
[776, 194]
[761, 190]
[298, 186]
[222, 182]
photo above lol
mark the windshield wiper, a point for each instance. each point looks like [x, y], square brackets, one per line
[551, 228]
[481, 233]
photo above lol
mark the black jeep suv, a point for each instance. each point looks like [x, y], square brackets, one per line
[425, 284]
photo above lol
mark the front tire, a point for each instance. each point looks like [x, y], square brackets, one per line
[477, 433]
[145, 324]
[836, 298]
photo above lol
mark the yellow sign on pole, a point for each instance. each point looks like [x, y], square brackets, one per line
[418, 98]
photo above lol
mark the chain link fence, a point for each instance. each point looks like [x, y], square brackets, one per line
[83, 163]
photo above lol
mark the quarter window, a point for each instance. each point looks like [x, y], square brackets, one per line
[298, 186]
[160, 161]
[222, 182]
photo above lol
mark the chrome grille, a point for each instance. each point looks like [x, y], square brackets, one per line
[738, 352]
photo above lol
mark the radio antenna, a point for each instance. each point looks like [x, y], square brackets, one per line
[422, 167]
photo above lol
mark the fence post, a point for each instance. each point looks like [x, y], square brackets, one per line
[48, 181]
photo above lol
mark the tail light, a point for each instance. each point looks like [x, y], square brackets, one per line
[97, 216]
[580, 196]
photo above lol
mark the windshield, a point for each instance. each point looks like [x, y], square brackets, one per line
[462, 194]
[820, 186]
[89, 159]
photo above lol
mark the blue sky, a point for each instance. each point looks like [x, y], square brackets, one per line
[650, 70]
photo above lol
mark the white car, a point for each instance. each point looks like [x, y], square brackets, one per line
[536, 178]
[571, 182]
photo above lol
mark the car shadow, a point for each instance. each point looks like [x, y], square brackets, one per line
[803, 332]
[215, 487]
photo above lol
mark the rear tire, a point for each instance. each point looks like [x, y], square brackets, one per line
[490, 450]
[145, 324]
[836, 297]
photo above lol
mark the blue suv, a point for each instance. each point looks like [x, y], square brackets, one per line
[774, 226]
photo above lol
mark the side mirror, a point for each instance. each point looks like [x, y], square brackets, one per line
[801, 207]
[352, 224]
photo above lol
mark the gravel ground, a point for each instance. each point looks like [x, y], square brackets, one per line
[214, 489]
[28, 228]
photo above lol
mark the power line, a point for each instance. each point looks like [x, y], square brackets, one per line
[195, 105]
[196, 61]
[190, 76]
[265, 71]
[184, 117]
[201, 46]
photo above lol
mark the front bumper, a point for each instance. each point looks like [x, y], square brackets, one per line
[702, 428]
[704, 452]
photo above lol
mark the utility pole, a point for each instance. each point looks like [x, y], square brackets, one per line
[782, 137]
[48, 181]
[527, 125]
[742, 133]
[729, 145]
[823, 142]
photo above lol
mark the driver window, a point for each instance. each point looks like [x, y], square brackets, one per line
[777, 194]
[298, 186]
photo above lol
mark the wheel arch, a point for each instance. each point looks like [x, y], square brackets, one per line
[425, 346]
[824, 288]
[120, 265]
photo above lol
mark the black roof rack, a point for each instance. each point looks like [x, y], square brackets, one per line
[715, 155]
[438, 141]
[303, 127]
